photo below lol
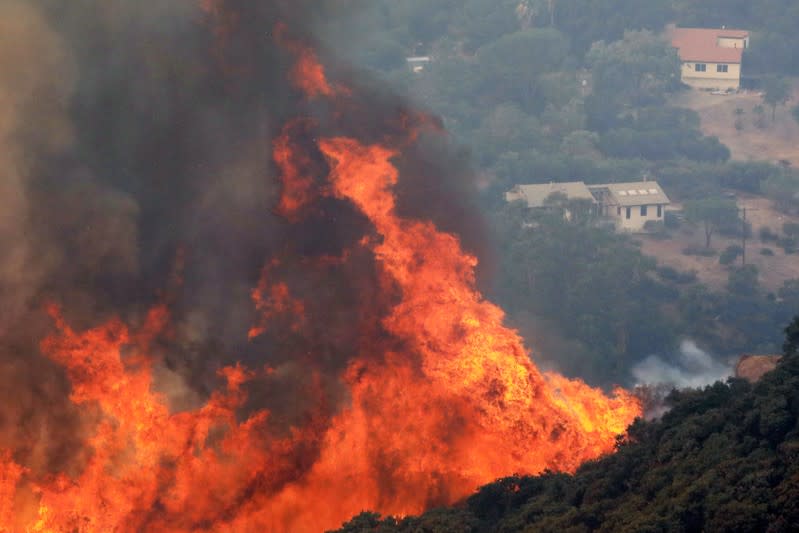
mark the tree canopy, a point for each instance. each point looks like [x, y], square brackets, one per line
[713, 214]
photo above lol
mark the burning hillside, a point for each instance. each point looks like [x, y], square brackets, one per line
[320, 346]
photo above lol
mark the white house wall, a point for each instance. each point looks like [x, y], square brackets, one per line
[636, 221]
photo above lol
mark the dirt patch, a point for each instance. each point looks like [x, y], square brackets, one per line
[777, 140]
[773, 270]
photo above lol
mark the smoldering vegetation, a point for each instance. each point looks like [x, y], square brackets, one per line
[135, 147]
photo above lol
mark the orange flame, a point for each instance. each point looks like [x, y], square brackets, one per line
[272, 301]
[308, 74]
[294, 166]
[454, 403]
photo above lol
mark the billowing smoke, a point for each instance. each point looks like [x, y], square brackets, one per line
[692, 367]
[255, 268]
[136, 155]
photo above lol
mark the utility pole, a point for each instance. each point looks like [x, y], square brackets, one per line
[743, 238]
[743, 233]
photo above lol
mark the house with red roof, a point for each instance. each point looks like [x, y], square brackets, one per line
[711, 58]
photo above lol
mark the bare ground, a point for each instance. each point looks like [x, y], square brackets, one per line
[778, 140]
[773, 270]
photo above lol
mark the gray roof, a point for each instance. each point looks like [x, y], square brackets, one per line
[635, 193]
[536, 195]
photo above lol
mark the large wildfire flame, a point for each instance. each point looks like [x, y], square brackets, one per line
[442, 399]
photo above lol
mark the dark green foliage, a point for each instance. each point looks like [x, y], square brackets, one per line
[713, 214]
[776, 92]
[791, 229]
[783, 189]
[510, 73]
[746, 176]
[788, 244]
[766, 235]
[670, 274]
[743, 281]
[637, 70]
[725, 458]
[791, 346]
[592, 284]
[730, 254]
[588, 21]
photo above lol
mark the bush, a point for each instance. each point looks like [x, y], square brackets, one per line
[672, 220]
[668, 273]
[766, 251]
[743, 281]
[766, 235]
[788, 244]
[733, 228]
[791, 229]
[656, 228]
[730, 254]
[746, 176]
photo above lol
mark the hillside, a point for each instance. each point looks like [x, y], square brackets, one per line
[774, 267]
[773, 141]
[725, 458]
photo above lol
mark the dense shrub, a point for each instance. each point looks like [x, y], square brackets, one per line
[668, 273]
[672, 220]
[730, 254]
[766, 235]
[791, 229]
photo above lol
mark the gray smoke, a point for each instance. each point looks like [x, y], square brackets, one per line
[136, 136]
[691, 367]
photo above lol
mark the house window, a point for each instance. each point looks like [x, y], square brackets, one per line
[643, 210]
[629, 212]
[660, 211]
[721, 68]
[701, 67]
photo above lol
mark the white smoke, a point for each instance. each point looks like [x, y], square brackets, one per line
[691, 368]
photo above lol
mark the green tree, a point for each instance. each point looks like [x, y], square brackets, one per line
[513, 66]
[776, 92]
[783, 189]
[743, 281]
[637, 70]
[760, 116]
[791, 346]
[712, 214]
[565, 270]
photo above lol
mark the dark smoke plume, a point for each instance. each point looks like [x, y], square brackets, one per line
[135, 147]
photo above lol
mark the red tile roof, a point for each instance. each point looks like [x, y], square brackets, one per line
[701, 44]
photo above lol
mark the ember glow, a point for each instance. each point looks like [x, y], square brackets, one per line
[441, 397]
